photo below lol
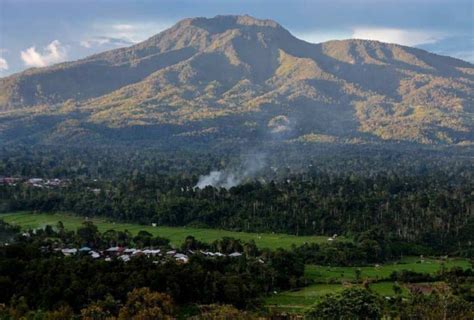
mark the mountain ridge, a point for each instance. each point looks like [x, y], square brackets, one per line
[204, 74]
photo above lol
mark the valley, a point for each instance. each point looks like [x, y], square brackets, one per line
[390, 279]
[160, 160]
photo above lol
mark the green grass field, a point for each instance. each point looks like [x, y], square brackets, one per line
[328, 279]
[428, 265]
[331, 280]
[176, 235]
[299, 300]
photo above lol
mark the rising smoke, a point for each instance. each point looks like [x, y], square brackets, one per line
[278, 128]
[229, 178]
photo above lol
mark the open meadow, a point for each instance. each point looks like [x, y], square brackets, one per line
[28, 220]
[334, 279]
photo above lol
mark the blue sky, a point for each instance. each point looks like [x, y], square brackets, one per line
[35, 33]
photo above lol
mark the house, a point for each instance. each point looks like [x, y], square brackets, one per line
[181, 257]
[53, 182]
[68, 252]
[34, 181]
[9, 181]
[124, 258]
[152, 252]
[235, 254]
[114, 251]
[94, 254]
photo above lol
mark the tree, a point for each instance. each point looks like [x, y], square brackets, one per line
[88, 233]
[397, 289]
[101, 309]
[358, 273]
[144, 304]
[352, 303]
[143, 239]
[440, 304]
[64, 312]
[221, 312]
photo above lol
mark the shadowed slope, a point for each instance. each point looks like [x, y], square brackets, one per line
[209, 73]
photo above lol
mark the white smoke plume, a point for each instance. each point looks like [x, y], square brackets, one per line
[229, 178]
[278, 128]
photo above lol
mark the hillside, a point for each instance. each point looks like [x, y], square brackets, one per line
[234, 78]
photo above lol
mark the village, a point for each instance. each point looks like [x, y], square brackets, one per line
[126, 254]
[34, 182]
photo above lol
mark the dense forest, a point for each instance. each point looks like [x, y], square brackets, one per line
[386, 203]
[428, 203]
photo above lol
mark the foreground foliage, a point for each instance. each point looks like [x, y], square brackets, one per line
[38, 282]
[349, 304]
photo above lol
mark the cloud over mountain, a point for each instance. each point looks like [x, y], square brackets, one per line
[3, 64]
[400, 36]
[102, 40]
[53, 53]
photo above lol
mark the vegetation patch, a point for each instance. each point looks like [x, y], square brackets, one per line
[27, 220]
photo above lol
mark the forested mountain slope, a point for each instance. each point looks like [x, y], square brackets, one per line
[237, 77]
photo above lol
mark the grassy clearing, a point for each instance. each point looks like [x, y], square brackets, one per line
[339, 274]
[298, 301]
[176, 235]
[333, 279]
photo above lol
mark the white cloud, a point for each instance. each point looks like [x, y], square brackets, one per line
[123, 27]
[131, 32]
[52, 53]
[3, 64]
[102, 41]
[400, 36]
[406, 37]
[318, 36]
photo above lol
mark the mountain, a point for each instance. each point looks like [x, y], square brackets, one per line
[231, 78]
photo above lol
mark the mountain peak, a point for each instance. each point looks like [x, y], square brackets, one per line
[221, 23]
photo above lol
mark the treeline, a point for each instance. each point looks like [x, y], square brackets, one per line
[430, 209]
[38, 282]
[75, 162]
